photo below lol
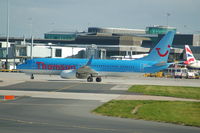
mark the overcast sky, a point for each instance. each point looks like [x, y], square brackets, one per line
[77, 15]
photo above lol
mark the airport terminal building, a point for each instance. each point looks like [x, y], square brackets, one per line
[122, 41]
[104, 42]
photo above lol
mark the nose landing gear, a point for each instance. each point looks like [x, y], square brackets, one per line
[32, 77]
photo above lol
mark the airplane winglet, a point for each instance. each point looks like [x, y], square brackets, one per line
[90, 60]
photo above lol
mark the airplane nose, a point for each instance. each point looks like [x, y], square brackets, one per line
[17, 66]
[20, 66]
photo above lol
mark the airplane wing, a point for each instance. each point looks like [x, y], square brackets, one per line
[87, 72]
[90, 61]
[84, 72]
[86, 69]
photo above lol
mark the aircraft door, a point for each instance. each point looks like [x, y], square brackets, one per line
[32, 64]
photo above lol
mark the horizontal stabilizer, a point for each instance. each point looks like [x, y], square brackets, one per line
[160, 64]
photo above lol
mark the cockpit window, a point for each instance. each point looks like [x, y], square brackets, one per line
[28, 62]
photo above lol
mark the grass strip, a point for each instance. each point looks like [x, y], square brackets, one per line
[185, 113]
[173, 91]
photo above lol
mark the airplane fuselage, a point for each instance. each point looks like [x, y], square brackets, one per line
[195, 64]
[111, 67]
[87, 69]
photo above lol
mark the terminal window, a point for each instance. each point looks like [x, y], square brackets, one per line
[58, 52]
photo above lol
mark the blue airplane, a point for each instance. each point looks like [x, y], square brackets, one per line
[96, 68]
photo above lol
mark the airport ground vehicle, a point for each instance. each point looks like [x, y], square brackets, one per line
[191, 75]
[175, 72]
[180, 73]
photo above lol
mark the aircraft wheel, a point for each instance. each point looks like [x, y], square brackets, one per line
[98, 79]
[32, 77]
[89, 79]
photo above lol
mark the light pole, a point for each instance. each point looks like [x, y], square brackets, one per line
[31, 26]
[31, 37]
[168, 14]
[7, 38]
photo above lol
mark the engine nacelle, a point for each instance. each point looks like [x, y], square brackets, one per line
[68, 74]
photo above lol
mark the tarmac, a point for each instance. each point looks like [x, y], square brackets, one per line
[13, 78]
[51, 104]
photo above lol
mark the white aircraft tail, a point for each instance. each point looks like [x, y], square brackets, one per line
[189, 56]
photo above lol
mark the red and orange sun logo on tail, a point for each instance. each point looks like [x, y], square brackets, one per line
[162, 55]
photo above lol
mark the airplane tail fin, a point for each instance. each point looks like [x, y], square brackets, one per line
[189, 56]
[161, 51]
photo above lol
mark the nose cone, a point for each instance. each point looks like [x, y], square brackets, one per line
[19, 66]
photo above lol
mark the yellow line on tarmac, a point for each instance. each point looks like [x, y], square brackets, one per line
[66, 87]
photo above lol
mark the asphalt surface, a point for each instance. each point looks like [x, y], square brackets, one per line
[36, 114]
[65, 87]
[32, 115]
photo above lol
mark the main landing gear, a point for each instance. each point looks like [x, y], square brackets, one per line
[98, 79]
[90, 79]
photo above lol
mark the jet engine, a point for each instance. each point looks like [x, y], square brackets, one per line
[68, 74]
[71, 74]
